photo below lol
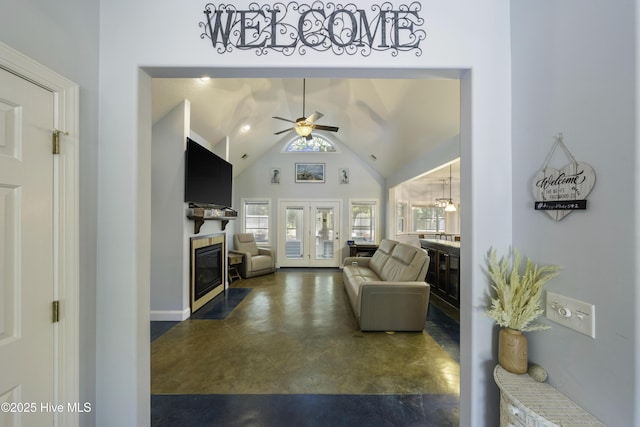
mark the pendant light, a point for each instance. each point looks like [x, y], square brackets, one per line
[442, 202]
[450, 206]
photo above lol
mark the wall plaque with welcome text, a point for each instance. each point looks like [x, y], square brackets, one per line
[297, 28]
[561, 191]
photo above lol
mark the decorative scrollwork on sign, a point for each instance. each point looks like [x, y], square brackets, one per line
[292, 27]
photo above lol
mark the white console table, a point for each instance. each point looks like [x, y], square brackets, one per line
[525, 402]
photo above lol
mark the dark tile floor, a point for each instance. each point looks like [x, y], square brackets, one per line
[285, 349]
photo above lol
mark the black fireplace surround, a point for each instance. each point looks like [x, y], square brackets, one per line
[208, 269]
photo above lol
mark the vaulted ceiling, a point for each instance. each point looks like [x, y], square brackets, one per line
[395, 120]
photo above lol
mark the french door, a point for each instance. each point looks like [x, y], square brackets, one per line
[309, 233]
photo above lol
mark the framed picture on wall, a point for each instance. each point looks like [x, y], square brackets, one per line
[343, 176]
[275, 176]
[310, 172]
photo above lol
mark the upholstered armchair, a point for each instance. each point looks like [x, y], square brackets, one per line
[255, 261]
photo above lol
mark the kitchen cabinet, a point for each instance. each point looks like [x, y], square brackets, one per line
[443, 274]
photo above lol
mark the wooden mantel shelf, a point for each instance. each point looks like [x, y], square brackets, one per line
[198, 221]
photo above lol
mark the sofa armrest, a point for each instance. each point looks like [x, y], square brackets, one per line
[393, 306]
[396, 285]
[363, 261]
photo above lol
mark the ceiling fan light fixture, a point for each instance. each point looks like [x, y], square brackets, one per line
[303, 129]
[304, 125]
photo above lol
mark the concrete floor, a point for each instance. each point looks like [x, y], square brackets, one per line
[294, 334]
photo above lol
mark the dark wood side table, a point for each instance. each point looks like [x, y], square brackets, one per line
[234, 261]
[362, 249]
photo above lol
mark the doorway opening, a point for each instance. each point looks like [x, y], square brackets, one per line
[464, 140]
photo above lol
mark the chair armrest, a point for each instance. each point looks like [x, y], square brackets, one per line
[244, 254]
[265, 251]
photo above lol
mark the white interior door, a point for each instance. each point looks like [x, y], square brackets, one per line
[27, 363]
[309, 233]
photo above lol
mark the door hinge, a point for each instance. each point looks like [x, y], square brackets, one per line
[56, 140]
[56, 311]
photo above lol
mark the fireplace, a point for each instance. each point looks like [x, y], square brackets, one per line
[208, 269]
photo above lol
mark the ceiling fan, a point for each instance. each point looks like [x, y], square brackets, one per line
[305, 125]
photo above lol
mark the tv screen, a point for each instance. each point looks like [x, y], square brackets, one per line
[208, 177]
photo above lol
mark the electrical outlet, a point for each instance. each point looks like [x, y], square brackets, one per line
[577, 315]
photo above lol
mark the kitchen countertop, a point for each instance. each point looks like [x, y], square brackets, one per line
[425, 243]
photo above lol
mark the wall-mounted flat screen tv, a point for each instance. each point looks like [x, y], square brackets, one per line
[208, 178]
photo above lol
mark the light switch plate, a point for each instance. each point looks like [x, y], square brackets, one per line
[572, 313]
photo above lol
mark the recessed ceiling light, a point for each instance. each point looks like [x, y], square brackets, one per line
[245, 128]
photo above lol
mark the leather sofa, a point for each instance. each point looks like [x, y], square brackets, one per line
[387, 291]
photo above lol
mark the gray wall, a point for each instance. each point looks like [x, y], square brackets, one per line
[574, 72]
[63, 36]
[168, 213]
[171, 230]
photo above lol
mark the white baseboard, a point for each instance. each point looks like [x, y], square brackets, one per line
[170, 315]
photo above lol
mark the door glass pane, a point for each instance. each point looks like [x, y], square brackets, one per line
[324, 232]
[294, 232]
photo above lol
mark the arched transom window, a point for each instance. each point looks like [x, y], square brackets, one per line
[317, 144]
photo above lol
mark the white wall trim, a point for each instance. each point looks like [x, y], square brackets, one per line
[66, 118]
[170, 315]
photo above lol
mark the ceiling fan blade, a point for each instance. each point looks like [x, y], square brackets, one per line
[283, 131]
[280, 118]
[327, 128]
[315, 116]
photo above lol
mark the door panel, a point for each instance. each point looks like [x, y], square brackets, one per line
[309, 234]
[295, 236]
[327, 234]
[26, 250]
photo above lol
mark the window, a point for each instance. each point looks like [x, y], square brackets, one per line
[401, 217]
[256, 219]
[363, 221]
[427, 219]
[317, 144]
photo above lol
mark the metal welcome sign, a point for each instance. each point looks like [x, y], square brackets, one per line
[293, 27]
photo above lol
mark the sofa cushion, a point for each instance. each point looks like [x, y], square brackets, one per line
[404, 253]
[381, 256]
[404, 264]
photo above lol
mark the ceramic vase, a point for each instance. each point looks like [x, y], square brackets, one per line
[512, 351]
